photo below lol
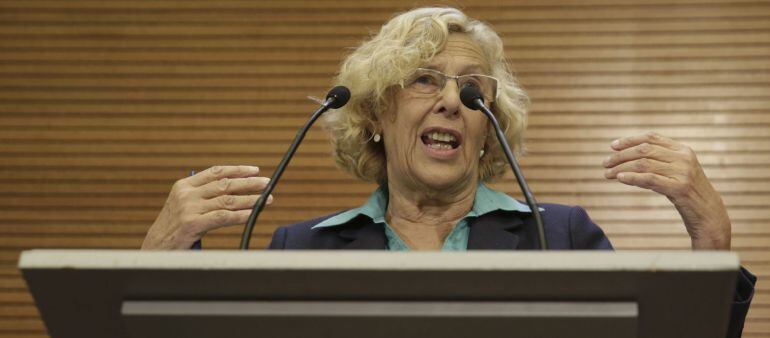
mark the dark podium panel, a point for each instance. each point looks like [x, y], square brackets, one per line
[110, 293]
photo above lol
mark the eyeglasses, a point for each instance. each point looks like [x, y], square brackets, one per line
[430, 82]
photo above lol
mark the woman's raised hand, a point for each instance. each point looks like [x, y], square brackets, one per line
[214, 198]
[668, 167]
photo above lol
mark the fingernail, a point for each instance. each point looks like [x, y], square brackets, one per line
[270, 198]
[607, 173]
[606, 161]
[615, 143]
[621, 176]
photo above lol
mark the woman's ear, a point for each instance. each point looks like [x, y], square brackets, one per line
[375, 130]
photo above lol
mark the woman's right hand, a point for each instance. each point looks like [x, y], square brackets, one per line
[214, 198]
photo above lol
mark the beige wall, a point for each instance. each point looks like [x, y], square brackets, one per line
[103, 104]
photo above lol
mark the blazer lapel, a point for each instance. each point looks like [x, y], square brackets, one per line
[364, 235]
[494, 231]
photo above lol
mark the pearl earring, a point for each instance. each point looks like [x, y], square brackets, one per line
[377, 138]
[481, 153]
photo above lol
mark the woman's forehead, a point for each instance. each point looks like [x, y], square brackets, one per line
[460, 53]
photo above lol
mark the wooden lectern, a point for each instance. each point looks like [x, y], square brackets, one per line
[267, 294]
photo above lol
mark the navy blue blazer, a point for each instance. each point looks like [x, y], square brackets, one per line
[566, 228]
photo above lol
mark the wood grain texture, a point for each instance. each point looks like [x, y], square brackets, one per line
[104, 104]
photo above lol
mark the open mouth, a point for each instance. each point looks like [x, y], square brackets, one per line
[441, 139]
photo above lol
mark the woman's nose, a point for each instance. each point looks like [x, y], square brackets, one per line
[450, 99]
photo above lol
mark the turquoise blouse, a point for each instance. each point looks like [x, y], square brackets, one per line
[486, 201]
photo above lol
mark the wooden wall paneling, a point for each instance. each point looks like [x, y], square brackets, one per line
[104, 104]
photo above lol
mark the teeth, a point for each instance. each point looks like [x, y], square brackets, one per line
[442, 146]
[443, 137]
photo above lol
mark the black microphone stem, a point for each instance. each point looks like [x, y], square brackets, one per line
[279, 171]
[517, 172]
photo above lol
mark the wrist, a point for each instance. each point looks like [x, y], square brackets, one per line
[159, 237]
[719, 240]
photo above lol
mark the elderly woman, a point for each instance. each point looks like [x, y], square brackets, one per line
[406, 129]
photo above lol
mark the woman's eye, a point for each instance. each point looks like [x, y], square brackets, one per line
[472, 83]
[425, 80]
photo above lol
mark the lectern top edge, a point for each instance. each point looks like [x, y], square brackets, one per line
[382, 260]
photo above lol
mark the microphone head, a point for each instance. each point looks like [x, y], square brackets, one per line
[340, 94]
[468, 96]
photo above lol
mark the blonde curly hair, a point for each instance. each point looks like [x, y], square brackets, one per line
[380, 66]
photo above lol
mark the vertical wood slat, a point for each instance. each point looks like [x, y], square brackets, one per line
[104, 104]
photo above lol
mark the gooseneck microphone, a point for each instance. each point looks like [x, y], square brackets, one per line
[336, 98]
[472, 98]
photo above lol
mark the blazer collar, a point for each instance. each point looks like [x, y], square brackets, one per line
[362, 234]
[492, 231]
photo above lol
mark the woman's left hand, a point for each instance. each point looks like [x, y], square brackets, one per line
[670, 168]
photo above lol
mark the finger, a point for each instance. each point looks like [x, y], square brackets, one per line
[233, 202]
[219, 172]
[644, 165]
[650, 137]
[222, 218]
[233, 186]
[657, 183]
[644, 150]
